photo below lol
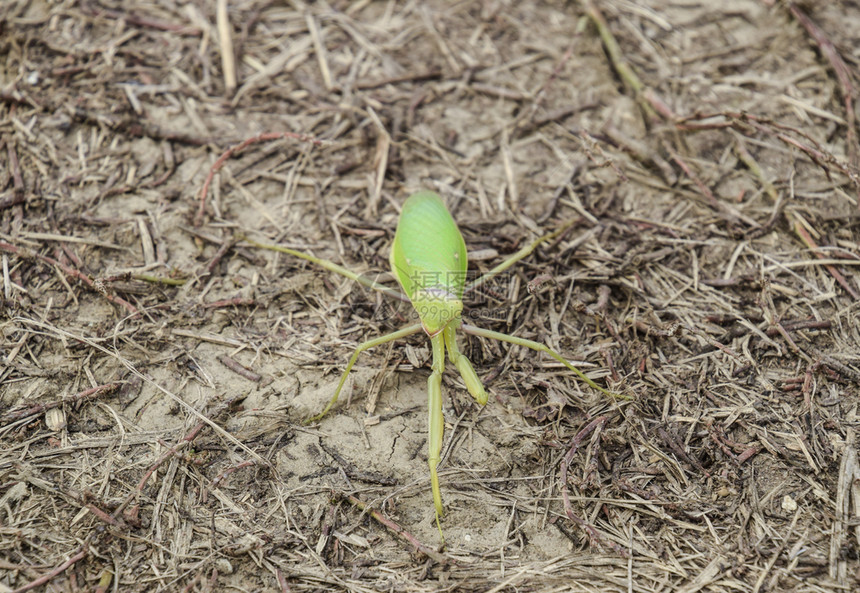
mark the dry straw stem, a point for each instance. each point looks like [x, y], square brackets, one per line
[843, 75]
[49, 576]
[652, 106]
[230, 152]
[594, 535]
[799, 228]
[619, 63]
[225, 41]
[847, 506]
[69, 271]
[399, 531]
[93, 392]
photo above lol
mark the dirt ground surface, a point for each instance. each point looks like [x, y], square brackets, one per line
[157, 365]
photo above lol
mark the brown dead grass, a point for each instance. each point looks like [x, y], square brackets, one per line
[156, 368]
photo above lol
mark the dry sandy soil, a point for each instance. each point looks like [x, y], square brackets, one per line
[156, 366]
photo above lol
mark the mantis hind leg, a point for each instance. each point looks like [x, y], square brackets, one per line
[406, 331]
[537, 346]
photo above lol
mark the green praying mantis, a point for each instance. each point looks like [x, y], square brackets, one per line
[428, 258]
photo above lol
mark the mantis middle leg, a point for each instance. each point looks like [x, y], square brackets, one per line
[537, 346]
[406, 331]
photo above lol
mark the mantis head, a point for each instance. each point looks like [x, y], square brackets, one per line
[437, 308]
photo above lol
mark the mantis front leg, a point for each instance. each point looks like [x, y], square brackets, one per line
[407, 331]
[437, 421]
[464, 365]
